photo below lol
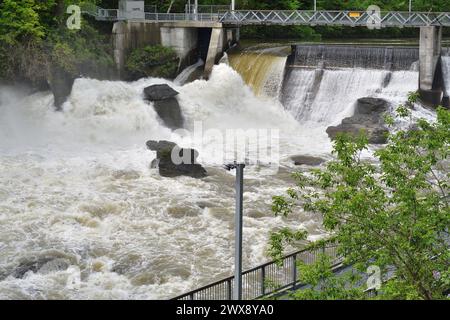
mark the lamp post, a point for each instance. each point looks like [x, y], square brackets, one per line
[233, 5]
[237, 292]
[410, 5]
[315, 5]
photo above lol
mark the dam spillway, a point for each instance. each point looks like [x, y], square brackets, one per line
[76, 186]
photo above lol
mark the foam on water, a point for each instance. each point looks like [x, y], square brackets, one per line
[325, 97]
[77, 184]
[446, 73]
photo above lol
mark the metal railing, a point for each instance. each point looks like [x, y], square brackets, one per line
[265, 279]
[286, 17]
[336, 18]
[207, 9]
[169, 17]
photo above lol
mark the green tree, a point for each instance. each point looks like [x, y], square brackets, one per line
[19, 21]
[152, 61]
[391, 214]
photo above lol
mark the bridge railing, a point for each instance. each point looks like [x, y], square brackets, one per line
[207, 8]
[168, 17]
[345, 18]
[265, 279]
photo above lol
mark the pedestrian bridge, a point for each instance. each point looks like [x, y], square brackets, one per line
[284, 17]
[216, 28]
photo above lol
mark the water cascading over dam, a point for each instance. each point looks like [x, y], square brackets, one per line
[345, 56]
[261, 69]
[321, 83]
[446, 74]
[77, 189]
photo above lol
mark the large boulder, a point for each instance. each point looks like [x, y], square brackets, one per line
[61, 83]
[368, 117]
[159, 92]
[307, 160]
[184, 164]
[165, 104]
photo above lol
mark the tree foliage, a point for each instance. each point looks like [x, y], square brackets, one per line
[33, 37]
[153, 61]
[393, 213]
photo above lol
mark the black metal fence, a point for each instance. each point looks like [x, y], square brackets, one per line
[265, 279]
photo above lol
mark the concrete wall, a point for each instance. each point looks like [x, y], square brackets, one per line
[430, 86]
[215, 50]
[183, 40]
[131, 35]
[182, 36]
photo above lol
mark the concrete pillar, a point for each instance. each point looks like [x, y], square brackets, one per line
[120, 45]
[430, 53]
[214, 50]
[182, 40]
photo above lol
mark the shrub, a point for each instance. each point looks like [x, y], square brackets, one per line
[152, 61]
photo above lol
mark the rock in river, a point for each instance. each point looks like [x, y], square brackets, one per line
[368, 117]
[174, 161]
[166, 104]
[307, 160]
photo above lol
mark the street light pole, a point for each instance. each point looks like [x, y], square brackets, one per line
[233, 5]
[410, 5]
[237, 292]
[315, 5]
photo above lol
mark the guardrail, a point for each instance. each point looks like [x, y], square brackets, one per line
[265, 279]
[286, 17]
[168, 17]
[337, 18]
[207, 8]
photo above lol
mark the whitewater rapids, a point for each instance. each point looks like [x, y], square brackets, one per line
[77, 184]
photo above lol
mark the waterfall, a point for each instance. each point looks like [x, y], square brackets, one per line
[77, 184]
[325, 97]
[446, 74]
[322, 83]
[262, 69]
[340, 56]
[187, 74]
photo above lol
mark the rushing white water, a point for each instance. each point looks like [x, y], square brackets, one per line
[184, 76]
[446, 73]
[77, 184]
[262, 70]
[325, 97]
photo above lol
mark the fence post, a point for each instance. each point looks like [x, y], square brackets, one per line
[238, 231]
[263, 280]
[294, 270]
[230, 294]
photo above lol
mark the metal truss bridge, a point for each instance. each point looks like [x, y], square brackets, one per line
[282, 17]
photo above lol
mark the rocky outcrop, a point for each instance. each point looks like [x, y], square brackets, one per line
[174, 161]
[368, 117]
[165, 104]
[307, 160]
[159, 92]
[61, 84]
